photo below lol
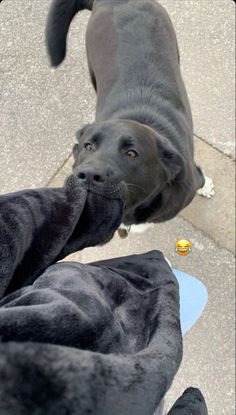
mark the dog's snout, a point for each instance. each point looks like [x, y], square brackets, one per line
[91, 177]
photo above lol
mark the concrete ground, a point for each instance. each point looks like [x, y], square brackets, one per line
[41, 110]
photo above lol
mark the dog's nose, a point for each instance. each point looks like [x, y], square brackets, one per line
[91, 177]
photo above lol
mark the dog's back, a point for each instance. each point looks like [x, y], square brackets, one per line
[127, 36]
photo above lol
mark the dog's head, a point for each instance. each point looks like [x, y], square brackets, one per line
[126, 159]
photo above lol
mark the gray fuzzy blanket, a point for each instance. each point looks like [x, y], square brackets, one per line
[79, 339]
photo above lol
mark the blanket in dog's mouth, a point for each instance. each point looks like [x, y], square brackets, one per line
[79, 338]
[76, 338]
[112, 191]
[59, 221]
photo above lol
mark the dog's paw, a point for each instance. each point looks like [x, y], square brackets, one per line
[208, 190]
[143, 227]
[124, 230]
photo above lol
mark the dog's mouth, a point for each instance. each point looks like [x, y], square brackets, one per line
[112, 191]
[120, 190]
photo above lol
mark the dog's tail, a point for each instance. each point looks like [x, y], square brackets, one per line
[60, 16]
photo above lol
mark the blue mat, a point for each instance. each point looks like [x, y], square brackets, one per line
[193, 298]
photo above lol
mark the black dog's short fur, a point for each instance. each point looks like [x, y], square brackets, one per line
[140, 146]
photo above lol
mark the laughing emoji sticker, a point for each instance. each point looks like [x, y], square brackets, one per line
[183, 247]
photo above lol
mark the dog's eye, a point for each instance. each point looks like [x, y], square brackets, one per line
[131, 154]
[88, 147]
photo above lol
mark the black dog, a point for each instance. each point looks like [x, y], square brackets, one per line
[140, 146]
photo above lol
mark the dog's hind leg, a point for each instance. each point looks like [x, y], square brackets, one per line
[93, 79]
[205, 185]
[208, 190]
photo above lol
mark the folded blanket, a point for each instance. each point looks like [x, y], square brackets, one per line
[76, 339]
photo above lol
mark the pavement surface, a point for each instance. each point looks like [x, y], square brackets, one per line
[205, 32]
[40, 112]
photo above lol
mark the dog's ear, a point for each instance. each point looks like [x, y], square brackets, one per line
[172, 163]
[79, 135]
[82, 130]
[75, 151]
